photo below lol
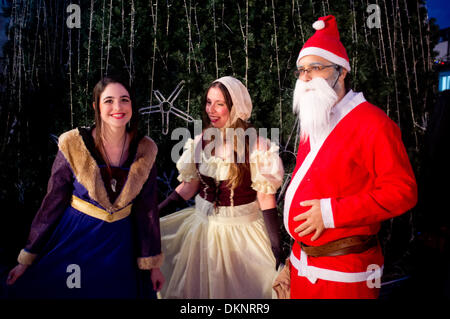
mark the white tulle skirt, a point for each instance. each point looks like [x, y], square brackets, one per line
[217, 253]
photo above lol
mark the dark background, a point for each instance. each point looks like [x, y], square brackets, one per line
[47, 72]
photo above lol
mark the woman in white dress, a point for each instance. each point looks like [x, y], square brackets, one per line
[228, 244]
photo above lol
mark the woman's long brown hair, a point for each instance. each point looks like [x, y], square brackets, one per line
[132, 126]
[237, 170]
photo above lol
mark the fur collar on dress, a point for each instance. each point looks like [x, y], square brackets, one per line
[88, 174]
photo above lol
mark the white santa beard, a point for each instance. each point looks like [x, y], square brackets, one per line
[313, 101]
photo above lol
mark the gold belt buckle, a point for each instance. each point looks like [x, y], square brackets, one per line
[110, 217]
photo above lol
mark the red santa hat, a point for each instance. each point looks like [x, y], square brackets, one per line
[325, 43]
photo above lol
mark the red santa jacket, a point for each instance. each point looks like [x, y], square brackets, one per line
[362, 175]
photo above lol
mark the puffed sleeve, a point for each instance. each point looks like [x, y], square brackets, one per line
[145, 207]
[186, 164]
[266, 168]
[55, 202]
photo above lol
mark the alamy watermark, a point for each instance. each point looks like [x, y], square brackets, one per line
[374, 277]
[74, 18]
[374, 19]
[373, 280]
[230, 140]
[74, 279]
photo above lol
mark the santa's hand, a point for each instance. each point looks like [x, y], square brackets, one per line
[313, 220]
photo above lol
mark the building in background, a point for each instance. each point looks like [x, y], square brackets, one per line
[443, 59]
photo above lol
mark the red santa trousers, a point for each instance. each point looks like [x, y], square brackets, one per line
[302, 288]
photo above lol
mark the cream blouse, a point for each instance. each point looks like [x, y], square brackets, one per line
[266, 167]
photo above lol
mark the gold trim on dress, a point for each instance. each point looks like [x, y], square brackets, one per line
[88, 173]
[147, 263]
[97, 212]
[26, 258]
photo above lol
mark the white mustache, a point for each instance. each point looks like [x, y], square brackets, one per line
[313, 101]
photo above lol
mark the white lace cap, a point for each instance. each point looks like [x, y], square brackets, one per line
[242, 103]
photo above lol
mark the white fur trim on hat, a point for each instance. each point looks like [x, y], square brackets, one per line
[319, 25]
[326, 55]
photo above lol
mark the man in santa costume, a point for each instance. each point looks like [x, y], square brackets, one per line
[352, 172]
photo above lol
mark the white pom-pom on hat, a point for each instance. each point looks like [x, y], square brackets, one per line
[319, 25]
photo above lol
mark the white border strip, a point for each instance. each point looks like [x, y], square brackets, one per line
[327, 212]
[326, 55]
[314, 273]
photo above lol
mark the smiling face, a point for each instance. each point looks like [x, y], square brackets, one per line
[313, 61]
[216, 108]
[115, 106]
[320, 67]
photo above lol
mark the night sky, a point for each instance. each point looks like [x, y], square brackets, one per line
[440, 10]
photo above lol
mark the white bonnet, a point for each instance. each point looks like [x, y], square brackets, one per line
[242, 103]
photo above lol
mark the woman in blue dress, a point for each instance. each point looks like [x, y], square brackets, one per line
[96, 234]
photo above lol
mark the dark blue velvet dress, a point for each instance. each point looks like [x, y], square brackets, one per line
[81, 256]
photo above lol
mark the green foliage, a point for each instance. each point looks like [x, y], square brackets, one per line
[46, 84]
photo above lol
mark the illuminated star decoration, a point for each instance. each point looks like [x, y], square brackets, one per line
[165, 107]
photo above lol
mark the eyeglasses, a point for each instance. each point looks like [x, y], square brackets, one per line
[313, 69]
